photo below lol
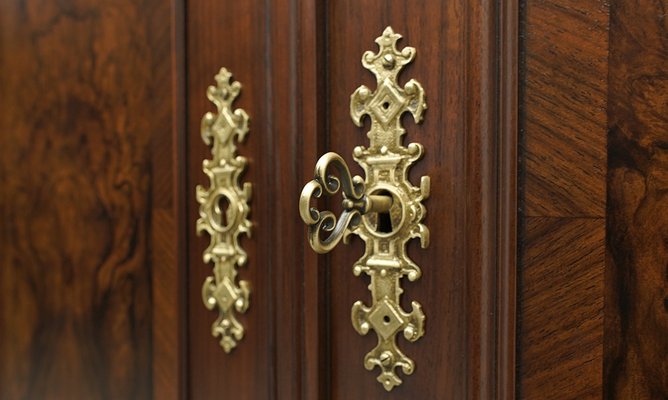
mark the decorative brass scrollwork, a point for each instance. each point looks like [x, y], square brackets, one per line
[224, 225]
[384, 209]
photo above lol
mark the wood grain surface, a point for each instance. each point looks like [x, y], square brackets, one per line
[88, 212]
[565, 92]
[636, 347]
[233, 34]
[563, 156]
[298, 67]
[455, 63]
[561, 341]
[275, 50]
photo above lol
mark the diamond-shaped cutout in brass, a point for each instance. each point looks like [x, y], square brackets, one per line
[386, 103]
[225, 294]
[385, 320]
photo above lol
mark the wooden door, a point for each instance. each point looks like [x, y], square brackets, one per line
[572, 94]
[298, 63]
[457, 64]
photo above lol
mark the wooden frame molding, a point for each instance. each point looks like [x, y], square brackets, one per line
[508, 211]
[496, 123]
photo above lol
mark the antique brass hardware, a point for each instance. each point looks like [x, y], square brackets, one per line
[384, 209]
[221, 290]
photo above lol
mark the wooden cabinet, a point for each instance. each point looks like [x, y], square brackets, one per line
[299, 63]
[544, 138]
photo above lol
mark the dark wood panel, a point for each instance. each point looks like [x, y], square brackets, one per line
[508, 200]
[232, 34]
[561, 308]
[276, 51]
[565, 50]
[312, 73]
[563, 155]
[456, 358]
[87, 200]
[167, 232]
[288, 143]
[636, 347]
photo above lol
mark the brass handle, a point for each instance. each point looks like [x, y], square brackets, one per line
[221, 290]
[384, 209]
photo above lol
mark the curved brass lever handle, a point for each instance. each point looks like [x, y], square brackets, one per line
[355, 202]
[384, 209]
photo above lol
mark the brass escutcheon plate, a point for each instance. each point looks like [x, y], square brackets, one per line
[384, 209]
[223, 211]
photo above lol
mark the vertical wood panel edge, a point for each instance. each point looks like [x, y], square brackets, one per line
[507, 197]
[180, 165]
[492, 142]
[312, 89]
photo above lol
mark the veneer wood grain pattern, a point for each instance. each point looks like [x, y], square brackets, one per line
[561, 344]
[563, 156]
[636, 346]
[88, 213]
[565, 90]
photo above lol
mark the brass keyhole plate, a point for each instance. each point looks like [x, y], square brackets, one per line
[222, 289]
[387, 223]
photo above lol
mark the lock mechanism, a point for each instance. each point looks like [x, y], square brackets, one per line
[384, 209]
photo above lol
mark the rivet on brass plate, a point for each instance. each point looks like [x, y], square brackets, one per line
[384, 208]
[223, 211]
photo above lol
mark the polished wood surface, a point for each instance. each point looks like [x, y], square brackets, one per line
[88, 274]
[593, 309]
[275, 50]
[100, 152]
[458, 289]
[279, 69]
[564, 107]
[636, 348]
[561, 320]
[298, 68]
[563, 155]
[233, 35]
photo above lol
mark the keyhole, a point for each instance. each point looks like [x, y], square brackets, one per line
[386, 319]
[384, 222]
[221, 210]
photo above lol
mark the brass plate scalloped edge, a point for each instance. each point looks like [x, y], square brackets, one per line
[386, 164]
[224, 225]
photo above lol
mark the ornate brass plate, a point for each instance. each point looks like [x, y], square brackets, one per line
[384, 208]
[223, 211]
